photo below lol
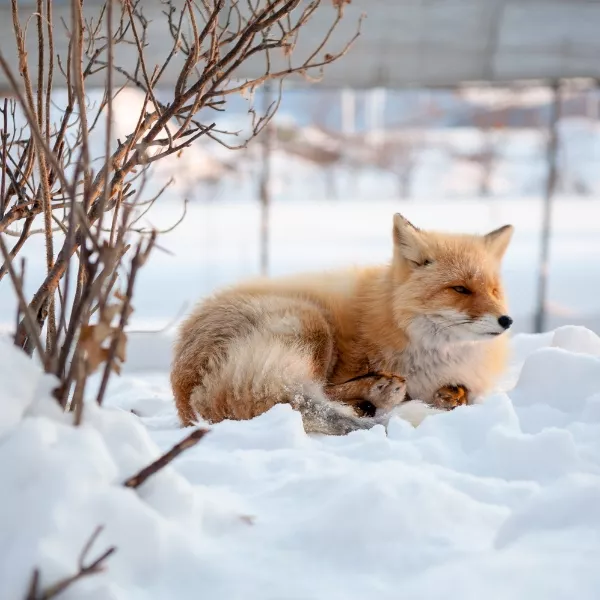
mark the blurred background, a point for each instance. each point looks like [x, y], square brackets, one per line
[339, 163]
[463, 115]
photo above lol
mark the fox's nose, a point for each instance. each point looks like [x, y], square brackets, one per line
[505, 321]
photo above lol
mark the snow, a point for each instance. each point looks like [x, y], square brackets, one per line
[497, 500]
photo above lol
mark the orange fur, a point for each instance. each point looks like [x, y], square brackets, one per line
[282, 340]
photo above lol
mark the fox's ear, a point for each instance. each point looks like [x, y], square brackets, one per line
[408, 241]
[497, 241]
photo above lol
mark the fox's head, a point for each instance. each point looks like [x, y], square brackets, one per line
[448, 286]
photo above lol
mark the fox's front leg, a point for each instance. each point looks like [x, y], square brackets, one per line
[450, 396]
[370, 392]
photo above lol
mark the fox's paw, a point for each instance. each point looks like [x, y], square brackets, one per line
[450, 396]
[368, 393]
[386, 391]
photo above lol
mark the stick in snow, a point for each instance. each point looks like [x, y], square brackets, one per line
[191, 440]
[52, 591]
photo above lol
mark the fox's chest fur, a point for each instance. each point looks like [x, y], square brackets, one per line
[428, 367]
[429, 362]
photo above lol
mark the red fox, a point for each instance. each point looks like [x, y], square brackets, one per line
[422, 334]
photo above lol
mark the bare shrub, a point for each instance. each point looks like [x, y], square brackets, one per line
[84, 205]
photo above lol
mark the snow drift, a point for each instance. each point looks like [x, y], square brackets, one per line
[499, 500]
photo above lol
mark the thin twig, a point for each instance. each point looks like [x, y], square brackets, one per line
[30, 323]
[191, 440]
[95, 567]
[138, 260]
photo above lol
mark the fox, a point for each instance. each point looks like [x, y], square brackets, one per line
[420, 335]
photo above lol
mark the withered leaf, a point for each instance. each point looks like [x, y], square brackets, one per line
[110, 312]
[95, 356]
[86, 333]
[101, 331]
[121, 346]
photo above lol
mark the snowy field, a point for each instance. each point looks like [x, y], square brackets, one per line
[499, 500]
[218, 244]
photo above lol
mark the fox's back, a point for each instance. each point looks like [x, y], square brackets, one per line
[336, 292]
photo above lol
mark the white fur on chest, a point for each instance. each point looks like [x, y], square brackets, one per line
[431, 362]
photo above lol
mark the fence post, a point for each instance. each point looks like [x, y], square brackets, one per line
[551, 160]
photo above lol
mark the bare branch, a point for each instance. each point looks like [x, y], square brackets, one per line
[91, 206]
[84, 570]
[29, 319]
[191, 440]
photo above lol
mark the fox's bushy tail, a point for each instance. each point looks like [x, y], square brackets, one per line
[264, 370]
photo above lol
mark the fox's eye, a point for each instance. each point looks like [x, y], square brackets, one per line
[462, 290]
[423, 263]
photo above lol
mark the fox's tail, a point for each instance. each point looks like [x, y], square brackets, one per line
[321, 415]
[266, 370]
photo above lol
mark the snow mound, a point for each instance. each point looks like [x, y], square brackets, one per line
[576, 339]
[497, 500]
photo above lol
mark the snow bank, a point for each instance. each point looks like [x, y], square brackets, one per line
[499, 500]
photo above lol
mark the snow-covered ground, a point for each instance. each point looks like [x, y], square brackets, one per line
[499, 500]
